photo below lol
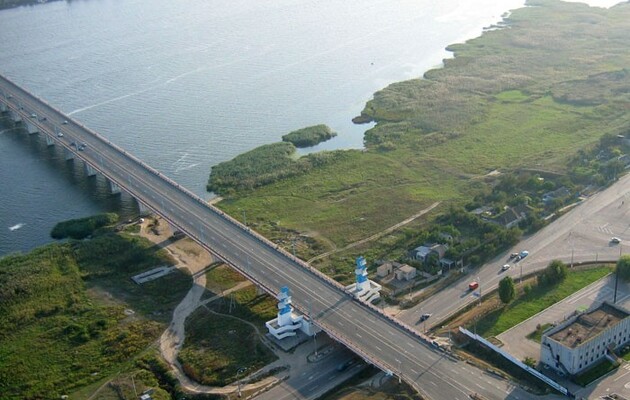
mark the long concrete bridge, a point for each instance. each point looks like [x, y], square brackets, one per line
[376, 337]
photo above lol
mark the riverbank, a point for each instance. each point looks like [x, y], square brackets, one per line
[549, 82]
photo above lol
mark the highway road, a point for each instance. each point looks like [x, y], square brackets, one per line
[582, 234]
[363, 329]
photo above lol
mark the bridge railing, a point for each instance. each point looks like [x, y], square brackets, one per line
[244, 228]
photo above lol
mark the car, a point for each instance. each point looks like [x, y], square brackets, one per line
[10, 96]
[43, 119]
[513, 255]
[524, 254]
[425, 316]
[615, 240]
[59, 134]
[473, 285]
[518, 258]
[64, 122]
[505, 267]
[81, 148]
[73, 144]
[33, 115]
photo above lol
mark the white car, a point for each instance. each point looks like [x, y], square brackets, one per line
[59, 134]
[505, 267]
[615, 240]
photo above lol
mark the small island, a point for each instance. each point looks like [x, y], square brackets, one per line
[309, 136]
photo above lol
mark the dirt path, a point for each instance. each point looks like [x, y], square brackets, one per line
[378, 234]
[193, 258]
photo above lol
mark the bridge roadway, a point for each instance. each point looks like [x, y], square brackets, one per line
[364, 329]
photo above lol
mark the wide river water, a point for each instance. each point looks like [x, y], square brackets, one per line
[185, 85]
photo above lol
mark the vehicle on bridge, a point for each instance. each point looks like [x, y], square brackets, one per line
[473, 285]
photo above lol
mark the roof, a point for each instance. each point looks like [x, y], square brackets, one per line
[558, 193]
[407, 268]
[588, 325]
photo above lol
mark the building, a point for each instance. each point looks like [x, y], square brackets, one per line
[585, 339]
[422, 253]
[511, 216]
[384, 269]
[405, 273]
[561, 193]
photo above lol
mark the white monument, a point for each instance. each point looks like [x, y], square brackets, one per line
[363, 288]
[287, 323]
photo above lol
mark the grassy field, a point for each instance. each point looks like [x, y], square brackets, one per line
[539, 298]
[528, 96]
[217, 346]
[222, 278]
[65, 313]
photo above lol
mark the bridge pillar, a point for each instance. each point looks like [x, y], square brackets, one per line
[15, 116]
[68, 154]
[3, 107]
[31, 128]
[89, 171]
[113, 187]
[142, 207]
[49, 140]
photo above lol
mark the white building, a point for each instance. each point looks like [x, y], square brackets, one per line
[583, 340]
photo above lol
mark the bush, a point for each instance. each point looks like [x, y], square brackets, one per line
[507, 291]
[555, 273]
[82, 227]
[623, 267]
[310, 136]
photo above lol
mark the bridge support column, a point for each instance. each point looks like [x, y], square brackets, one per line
[3, 107]
[113, 187]
[31, 128]
[68, 154]
[49, 140]
[15, 116]
[89, 171]
[143, 208]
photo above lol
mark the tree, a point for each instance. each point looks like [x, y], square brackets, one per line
[555, 272]
[623, 267]
[507, 291]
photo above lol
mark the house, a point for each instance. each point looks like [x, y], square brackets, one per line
[446, 263]
[561, 193]
[422, 253]
[583, 341]
[405, 273]
[512, 216]
[385, 269]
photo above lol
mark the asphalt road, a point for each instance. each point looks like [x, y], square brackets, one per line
[366, 331]
[582, 234]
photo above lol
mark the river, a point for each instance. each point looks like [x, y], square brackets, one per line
[185, 85]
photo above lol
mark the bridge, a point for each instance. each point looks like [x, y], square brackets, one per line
[379, 339]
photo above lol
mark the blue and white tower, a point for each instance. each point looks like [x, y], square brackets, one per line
[287, 322]
[362, 281]
[363, 288]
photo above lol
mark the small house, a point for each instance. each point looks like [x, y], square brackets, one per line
[385, 269]
[405, 273]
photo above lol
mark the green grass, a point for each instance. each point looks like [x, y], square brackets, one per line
[528, 96]
[595, 373]
[222, 278]
[536, 336]
[216, 347]
[62, 320]
[82, 227]
[540, 298]
[249, 305]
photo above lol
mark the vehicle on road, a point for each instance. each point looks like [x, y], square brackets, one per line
[615, 240]
[524, 254]
[344, 365]
[59, 134]
[513, 255]
[424, 317]
[33, 115]
[505, 267]
[473, 285]
[64, 122]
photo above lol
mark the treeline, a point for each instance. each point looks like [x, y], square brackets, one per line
[82, 227]
[309, 136]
